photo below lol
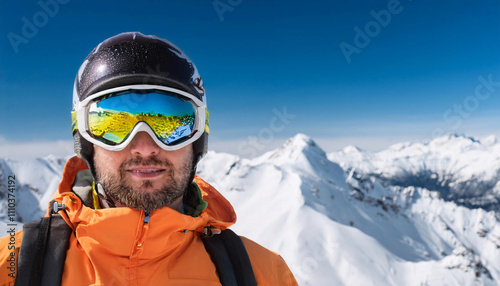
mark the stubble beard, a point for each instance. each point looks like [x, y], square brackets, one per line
[147, 196]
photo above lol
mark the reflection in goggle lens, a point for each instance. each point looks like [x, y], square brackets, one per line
[111, 119]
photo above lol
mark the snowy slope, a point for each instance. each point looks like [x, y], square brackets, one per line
[339, 223]
[347, 229]
[463, 169]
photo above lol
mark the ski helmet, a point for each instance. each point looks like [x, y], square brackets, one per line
[130, 59]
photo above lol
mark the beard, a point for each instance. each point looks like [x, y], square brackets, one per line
[149, 195]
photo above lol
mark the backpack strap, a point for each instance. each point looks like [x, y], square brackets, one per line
[230, 257]
[43, 251]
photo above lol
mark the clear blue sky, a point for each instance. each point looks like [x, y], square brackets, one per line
[412, 76]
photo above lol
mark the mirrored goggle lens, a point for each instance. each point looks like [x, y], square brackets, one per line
[112, 118]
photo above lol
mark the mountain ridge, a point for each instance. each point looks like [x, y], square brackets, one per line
[462, 169]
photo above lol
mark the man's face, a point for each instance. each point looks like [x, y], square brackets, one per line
[144, 176]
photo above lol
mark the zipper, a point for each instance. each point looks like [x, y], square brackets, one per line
[139, 248]
[145, 227]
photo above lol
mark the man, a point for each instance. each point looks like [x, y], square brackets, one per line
[137, 213]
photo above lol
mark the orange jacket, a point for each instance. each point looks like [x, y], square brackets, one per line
[115, 246]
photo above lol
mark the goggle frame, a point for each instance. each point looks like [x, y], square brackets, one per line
[200, 127]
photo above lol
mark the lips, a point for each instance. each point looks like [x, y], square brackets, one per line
[146, 171]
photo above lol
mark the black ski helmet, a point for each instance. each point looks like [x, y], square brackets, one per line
[133, 58]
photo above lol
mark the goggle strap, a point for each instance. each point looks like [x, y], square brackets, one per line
[74, 123]
[207, 129]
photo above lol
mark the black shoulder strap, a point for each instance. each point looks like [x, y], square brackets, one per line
[43, 251]
[230, 257]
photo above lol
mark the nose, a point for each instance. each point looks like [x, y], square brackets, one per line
[143, 145]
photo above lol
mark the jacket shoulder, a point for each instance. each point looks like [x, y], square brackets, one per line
[9, 256]
[268, 266]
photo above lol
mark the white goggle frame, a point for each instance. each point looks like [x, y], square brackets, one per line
[82, 118]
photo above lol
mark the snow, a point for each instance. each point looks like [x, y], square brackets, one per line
[408, 215]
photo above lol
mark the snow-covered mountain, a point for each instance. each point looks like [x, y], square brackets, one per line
[349, 218]
[35, 182]
[462, 169]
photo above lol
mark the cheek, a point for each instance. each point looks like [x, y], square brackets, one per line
[107, 160]
[111, 164]
[182, 156]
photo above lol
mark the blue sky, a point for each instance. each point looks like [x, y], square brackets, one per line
[413, 69]
[156, 104]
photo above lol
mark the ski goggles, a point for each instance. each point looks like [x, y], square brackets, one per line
[111, 118]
